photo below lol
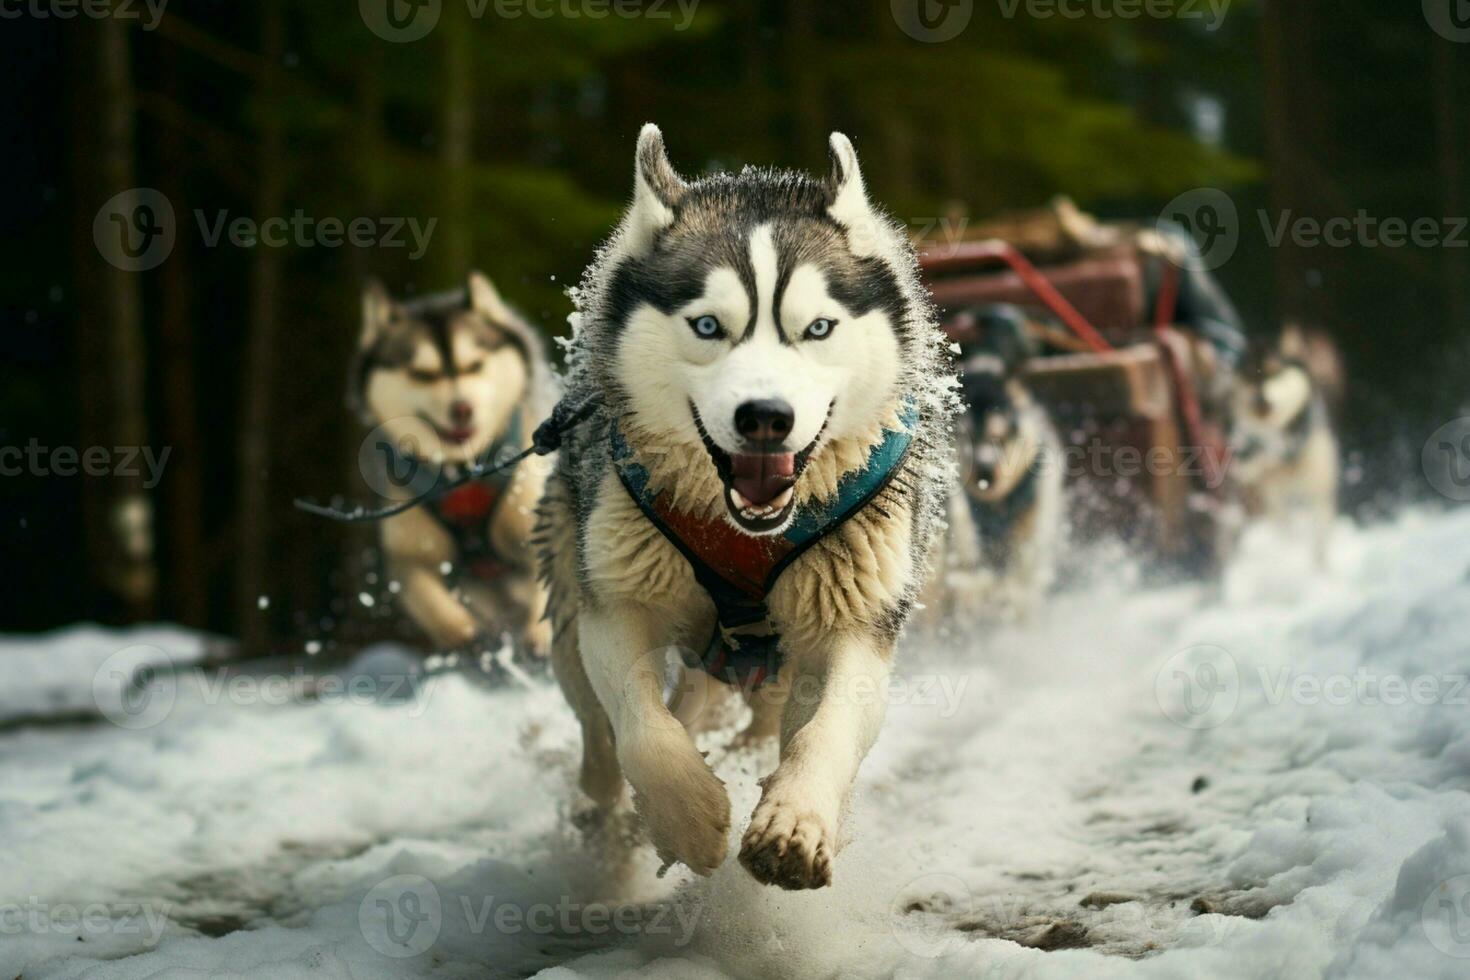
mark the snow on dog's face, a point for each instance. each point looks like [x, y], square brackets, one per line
[753, 322]
[443, 373]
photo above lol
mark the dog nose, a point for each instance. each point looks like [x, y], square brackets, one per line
[460, 412]
[766, 420]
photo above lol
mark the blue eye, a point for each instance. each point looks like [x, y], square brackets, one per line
[820, 329]
[706, 327]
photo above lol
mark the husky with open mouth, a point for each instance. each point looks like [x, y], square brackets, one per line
[1005, 519]
[449, 381]
[760, 489]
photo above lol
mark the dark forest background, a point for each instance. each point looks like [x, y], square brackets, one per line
[517, 135]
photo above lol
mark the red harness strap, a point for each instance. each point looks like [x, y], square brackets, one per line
[744, 561]
[465, 513]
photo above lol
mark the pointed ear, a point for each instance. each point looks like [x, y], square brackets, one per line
[657, 190]
[848, 198]
[486, 299]
[377, 310]
[1293, 341]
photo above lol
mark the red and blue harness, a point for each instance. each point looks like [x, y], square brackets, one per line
[464, 509]
[738, 570]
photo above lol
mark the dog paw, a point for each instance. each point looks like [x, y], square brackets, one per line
[684, 808]
[537, 639]
[787, 846]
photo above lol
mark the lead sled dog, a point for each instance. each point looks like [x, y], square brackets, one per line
[759, 488]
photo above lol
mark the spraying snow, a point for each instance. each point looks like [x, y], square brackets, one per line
[1146, 782]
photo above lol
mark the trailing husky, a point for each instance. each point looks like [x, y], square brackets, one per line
[448, 381]
[1005, 517]
[1285, 455]
[759, 489]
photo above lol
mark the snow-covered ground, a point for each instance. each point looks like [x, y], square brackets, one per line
[1272, 782]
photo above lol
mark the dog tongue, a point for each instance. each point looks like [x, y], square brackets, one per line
[760, 477]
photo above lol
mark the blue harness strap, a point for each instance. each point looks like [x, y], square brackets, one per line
[738, 570]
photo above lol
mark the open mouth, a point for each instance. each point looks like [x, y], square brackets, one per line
[456, 436]
[760, 488]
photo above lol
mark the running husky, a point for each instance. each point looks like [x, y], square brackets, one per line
[760, 488]
[1285, 455]
[448, 380]
[1005, 516]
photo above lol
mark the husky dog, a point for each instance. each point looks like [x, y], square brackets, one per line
[760, 489]
[449, 380]
[1005, 516]
[1284, 452]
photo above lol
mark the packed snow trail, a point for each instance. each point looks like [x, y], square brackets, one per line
[1148, 782]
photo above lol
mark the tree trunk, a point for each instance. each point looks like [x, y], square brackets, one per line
[1454, 264]
[130, 568]
[254, 530]
[186, 579]
[456, 156]
[90, 330]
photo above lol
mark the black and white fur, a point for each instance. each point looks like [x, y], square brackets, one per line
[1006, 516]
[1284, 453]
[440, 377]
[768, 254]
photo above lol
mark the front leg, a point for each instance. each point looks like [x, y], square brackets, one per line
[833, 713]
[429, 603]
[683, 804]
